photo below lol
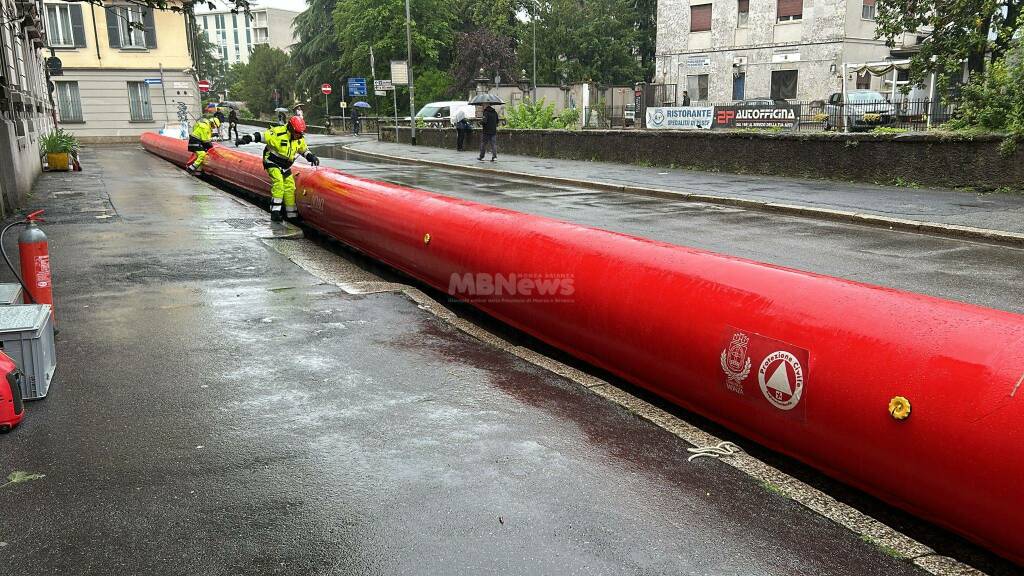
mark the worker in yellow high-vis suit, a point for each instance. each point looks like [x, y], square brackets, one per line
[283, 144]
[200, 141]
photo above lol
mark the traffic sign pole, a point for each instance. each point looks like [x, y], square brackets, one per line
[326, 89]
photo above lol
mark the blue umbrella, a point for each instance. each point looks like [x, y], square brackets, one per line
[361, 104]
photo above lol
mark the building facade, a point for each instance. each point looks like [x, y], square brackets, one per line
[727, 50]
[127, 69]
[26, 112]
[235, 35]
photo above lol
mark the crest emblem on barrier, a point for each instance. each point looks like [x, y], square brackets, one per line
[735, 362]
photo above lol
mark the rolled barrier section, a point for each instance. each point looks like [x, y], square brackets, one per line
[914, 399]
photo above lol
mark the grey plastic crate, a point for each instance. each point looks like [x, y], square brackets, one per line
[26, 335]
[11, 294]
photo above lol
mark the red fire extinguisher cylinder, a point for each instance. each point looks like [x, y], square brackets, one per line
[35, 261]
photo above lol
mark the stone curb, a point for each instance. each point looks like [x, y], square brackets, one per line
[920, 226]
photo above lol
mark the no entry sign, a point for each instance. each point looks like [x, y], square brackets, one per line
[325, 88]
[204, 85]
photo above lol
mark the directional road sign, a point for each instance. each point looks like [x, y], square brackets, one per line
[357, 86]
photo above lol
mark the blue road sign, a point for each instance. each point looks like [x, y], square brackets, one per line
[357, 86]
[152, 81]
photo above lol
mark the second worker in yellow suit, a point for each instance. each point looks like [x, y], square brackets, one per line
[283, 144]
[200, 141]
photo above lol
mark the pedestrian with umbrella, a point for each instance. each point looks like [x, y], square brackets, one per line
[489, 132]
[355, 116]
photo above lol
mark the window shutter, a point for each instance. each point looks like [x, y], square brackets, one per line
[790, 8]
[743, 6]
[700, 18]
[77, 26]
[113, 32]
[150, 25]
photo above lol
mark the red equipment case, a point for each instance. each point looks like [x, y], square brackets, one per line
[12, 410]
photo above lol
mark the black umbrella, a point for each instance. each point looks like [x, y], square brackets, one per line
[481, 99]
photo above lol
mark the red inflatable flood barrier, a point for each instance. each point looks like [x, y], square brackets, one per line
[916, 400]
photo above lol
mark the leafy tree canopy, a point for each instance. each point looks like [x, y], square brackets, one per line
[978, 32]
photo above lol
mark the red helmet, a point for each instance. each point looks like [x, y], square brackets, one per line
[297, 125]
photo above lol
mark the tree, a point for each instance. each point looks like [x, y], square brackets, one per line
[501, 17]
[976, 31]
[315, 55]
[268, 69]
[646, 23]
[360, 24]
[581, 40]
[482, 49]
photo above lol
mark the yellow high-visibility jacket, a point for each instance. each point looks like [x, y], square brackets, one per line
[203, 130]
[281, 149]
[201, 138]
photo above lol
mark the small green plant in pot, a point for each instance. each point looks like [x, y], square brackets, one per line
[59, 147]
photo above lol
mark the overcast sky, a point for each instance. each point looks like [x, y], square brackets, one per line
[296, 5]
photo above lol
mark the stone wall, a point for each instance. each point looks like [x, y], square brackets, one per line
[924, 159]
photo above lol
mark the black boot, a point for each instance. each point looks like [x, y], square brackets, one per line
[275, 215]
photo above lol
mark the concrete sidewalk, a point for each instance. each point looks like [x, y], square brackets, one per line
[222, 406]
[997, 217]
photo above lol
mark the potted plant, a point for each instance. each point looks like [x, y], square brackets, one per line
[59, 146]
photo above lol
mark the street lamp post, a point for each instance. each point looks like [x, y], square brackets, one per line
[412, 97]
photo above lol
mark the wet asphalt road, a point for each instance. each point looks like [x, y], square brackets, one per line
[983, 274]
[218, 410]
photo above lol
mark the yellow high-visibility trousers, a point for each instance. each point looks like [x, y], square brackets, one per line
[282, 189]
[200, 158]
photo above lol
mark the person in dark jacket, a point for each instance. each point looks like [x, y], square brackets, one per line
[355, 121]
[489, 134]
[686, 98]
[233, 125]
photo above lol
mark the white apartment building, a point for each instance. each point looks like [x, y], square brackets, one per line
[727, 50]
[235, 35]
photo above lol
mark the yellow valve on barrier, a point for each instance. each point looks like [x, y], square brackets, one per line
[899, 408]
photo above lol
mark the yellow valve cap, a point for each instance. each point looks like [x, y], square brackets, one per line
[899, 408]
[426, 238]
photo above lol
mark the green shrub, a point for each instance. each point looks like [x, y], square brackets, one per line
[994, 102]
[569, 118]
[245, 114]
[888, 130]
[541, 116]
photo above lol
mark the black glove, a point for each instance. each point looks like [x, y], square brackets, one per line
[243, 140]
[312, 159]
[207, 146]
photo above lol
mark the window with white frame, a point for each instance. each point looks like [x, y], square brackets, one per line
[138, 102]
[69, 102]
[131, 25]
[868, 10]
[60, 31]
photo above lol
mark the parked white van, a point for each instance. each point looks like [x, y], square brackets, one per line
[441, 112]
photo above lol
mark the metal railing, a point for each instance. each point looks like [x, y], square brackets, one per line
[911, 115]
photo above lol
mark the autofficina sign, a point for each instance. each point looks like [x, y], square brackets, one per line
[778, 116]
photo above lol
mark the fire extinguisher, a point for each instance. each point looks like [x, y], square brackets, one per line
[34, 251]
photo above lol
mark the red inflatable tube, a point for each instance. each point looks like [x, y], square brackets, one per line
[916, 400]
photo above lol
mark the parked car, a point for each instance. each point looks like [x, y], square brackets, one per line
[441, 112]
[860, 110]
